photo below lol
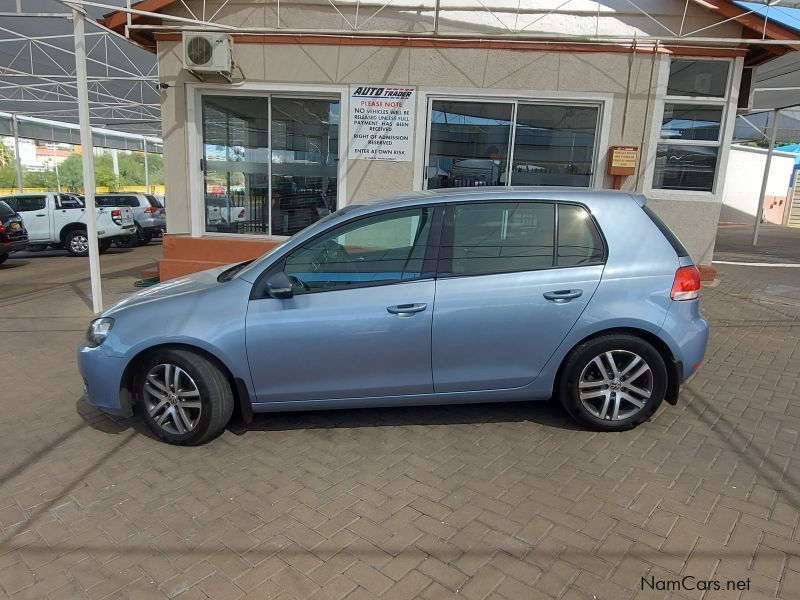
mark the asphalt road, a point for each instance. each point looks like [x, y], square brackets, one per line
[27, 272]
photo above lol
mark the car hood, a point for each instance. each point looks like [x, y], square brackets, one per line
[180, 286]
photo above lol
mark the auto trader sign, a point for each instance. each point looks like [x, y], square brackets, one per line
[381, 122]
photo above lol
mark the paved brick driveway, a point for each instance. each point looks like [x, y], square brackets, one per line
[501, 501]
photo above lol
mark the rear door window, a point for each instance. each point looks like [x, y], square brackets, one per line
[68, 201]
[31, 203]
[499, 237]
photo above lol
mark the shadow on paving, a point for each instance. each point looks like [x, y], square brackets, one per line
[776, 244]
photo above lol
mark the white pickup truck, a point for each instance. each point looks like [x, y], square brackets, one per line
[59, 220]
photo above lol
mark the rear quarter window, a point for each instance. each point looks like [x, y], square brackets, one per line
[673, 240]
[579, 241]
[154, 201]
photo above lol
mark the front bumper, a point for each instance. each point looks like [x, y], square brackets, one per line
[102, 376]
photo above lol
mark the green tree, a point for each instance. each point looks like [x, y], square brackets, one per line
[6, 156]
[8, 176]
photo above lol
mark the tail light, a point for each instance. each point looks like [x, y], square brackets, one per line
[241, 214]
[2, 229]
[151, 209]
[116, 216]
[686, 285]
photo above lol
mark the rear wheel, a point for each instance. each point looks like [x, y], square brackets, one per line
[77, 243]
[3, 257]
[184, 398]
[103, 245]
[131, 241]
[613, 382]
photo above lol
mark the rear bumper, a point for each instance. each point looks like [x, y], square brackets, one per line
[14, 246]
[102, 376]
[688, 332]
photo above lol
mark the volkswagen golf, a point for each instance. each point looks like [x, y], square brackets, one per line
[441, 297]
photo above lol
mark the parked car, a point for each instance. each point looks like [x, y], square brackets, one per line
[149, 215]
[444, 297]
[13, 235]
[59, 220]
[224, 213]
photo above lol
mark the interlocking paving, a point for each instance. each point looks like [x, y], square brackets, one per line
[502, 501]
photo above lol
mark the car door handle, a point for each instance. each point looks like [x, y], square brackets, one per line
[562, 296]
[406, 310]
[41, 215]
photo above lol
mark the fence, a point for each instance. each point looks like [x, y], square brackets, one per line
[158, 190]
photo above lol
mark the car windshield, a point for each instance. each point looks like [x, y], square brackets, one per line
[256, 264]
[5, 210]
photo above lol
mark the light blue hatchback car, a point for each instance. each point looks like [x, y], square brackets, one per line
[447, 297]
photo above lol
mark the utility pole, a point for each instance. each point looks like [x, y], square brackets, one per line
[87, 156]
[17, 160]
[773, 131]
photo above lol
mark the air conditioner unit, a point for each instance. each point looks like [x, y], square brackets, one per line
[207, 52]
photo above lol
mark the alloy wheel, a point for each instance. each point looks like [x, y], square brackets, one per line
[172, 399]
[79, 243]
[615, 385]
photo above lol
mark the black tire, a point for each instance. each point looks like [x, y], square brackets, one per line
[145, 238]
[215, 397]
[36, 247]
[130, 241]
[3, 257]
[103, 245]
[622, 348]
[77, 243]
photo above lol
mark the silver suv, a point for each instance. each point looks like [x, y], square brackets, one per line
[149, 215]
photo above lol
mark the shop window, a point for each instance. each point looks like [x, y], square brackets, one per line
[691, 126]
[481, 143]
[554, 145]
[268, 176]
[380, 250]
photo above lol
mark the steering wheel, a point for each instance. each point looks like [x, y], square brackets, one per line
[301, 284]
[331, 252]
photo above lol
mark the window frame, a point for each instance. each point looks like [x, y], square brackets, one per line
[728, 105]
[429, 260]
[448, 232]
[602, 102]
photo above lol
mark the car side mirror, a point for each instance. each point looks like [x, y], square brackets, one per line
[279, 286]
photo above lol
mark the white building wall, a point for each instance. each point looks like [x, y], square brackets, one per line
[743, 181]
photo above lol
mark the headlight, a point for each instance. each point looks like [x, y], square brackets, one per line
[98, 331]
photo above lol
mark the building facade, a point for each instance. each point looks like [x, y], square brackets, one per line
[322, 111]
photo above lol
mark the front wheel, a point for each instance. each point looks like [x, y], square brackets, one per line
[77, 243]
[184, 398]
[613, 382]
[3, 257]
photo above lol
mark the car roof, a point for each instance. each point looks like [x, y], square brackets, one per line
[499, 193]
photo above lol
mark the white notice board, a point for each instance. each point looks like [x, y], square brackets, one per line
[381, 122]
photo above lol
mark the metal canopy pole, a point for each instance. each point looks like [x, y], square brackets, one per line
[773, 130]
[87, 156]
[17, 161]
[146, 167]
